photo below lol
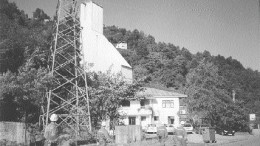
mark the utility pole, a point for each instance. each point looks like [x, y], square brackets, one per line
[68, 98]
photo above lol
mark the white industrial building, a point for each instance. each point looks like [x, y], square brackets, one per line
[99, 53]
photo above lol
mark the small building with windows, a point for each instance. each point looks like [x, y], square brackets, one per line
[158, 106]
[121, 45]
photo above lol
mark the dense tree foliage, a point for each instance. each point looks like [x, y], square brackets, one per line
[26, 91]
[21, 38]
[24, 58]
[106, 92]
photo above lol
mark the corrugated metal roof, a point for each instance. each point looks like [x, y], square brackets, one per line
[157, 93]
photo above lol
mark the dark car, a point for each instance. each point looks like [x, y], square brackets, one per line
[225, 130]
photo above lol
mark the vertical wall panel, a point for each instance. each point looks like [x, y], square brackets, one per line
[97, 18]
[99, 53]
[14, 131]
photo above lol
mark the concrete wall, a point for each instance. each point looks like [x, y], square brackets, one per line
[92, 16]
[14, 131]
[256, 131]
[128, 134]
[98, 53]
[127, 73]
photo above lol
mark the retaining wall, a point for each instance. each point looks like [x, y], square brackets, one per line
[14, 131]
[128, 134]
[256, 131]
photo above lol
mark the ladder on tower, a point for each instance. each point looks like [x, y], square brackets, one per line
[68, 98]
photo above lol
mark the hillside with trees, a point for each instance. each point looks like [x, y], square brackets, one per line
[24, 48]
[207, 80]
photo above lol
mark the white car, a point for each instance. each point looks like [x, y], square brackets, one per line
[188, 127]
[170, 128]
[151, 129]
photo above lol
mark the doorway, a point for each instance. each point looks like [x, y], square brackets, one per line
[170, 119]
[132, 120]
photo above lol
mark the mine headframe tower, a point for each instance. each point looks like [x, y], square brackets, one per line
[68, 97]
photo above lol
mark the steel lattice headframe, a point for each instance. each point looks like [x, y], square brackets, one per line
[68, 98]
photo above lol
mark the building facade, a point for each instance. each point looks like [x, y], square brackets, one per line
[159, 106]
[99, 55]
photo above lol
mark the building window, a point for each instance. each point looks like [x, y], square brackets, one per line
[131, 120]
[182, 110]
[156, 118]
[167, 104]
[144, 102]
[143, 118]
[170, 119]
[125, 103]
[154, 101]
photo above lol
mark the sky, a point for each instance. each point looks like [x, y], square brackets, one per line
[222, 27]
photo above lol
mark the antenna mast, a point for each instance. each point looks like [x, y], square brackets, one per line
[68, 98]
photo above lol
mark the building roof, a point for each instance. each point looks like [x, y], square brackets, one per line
[151, 93]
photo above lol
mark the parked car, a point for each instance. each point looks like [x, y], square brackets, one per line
[169, 128]
[201, 128]
[151, 129]
[225, 130]
[188, 127]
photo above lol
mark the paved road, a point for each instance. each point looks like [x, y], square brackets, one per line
[232, 141]
[252, 141]
[196, 140]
